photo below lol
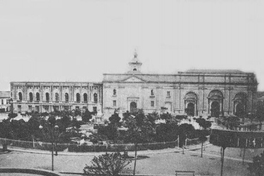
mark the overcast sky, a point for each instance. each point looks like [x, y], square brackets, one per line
[79, 40]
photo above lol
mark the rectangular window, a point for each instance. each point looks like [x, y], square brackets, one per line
[29, 108]
[152, 103]
[114, 102]
[168, 93]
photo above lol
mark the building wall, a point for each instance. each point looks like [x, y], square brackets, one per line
[230, 85]
[4, 101]
[4, 104]
[61, 88]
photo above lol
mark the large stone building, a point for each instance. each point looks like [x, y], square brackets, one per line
[195, 92]
[48, 96]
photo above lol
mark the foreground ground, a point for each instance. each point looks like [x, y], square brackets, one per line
[151, 162]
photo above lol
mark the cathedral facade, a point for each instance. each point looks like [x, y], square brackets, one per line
[194, 92]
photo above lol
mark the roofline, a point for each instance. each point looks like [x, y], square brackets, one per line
[54, 82]
[182, 74]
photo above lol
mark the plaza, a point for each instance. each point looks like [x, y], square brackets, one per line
[160, 162]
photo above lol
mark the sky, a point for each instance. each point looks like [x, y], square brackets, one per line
[79, 40]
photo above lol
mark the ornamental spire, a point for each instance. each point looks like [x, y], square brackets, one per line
[135, 64]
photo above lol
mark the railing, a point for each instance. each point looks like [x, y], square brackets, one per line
[98, 147]
[88, 148]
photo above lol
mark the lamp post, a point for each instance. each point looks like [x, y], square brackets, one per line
[52, 136]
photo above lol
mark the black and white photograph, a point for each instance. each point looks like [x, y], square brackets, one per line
[132, 87]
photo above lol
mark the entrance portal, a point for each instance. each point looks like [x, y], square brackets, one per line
[215, 109]
[239, 109]
[190, 109]
[133, 107]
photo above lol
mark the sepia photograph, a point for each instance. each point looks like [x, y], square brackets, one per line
[132, 88]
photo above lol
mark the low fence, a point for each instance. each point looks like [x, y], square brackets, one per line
[88, 148]
[194, 141]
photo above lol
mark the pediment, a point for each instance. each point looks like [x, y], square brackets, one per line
[133, 79]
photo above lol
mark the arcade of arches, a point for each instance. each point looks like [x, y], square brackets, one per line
[215, 103]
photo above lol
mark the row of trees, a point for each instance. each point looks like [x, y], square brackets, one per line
[163, 132]
[30, 130]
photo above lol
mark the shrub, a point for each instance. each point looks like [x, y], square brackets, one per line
[108, 164]
[257, 167]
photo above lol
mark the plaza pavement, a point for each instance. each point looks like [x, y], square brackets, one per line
[153, 162]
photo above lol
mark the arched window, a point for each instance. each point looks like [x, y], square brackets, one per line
[114, 92]
[66, 97]
[47, 97]
[57, 97]
[37, 96]
[30, 96]
[95, 97]
[78, 98]
[20, 96]
[85, 97]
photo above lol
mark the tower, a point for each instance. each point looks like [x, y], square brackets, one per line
[135, 65]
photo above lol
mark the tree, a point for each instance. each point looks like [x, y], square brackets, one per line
[257, 167]
[12, 115]
[108, 164]
[224, 141]
[87, 115]
[185, 130]
[205, 125]
[140, 130]
[114, 119]
[5, 129]
[167, 131]
[110, 131]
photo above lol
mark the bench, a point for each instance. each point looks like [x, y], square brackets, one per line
[184, 173]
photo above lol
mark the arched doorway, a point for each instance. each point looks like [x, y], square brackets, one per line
[240, 104]
[239, 110]
[215, 109]
[190, 101]
[190, 109]
[133, 107]
[215, 103]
